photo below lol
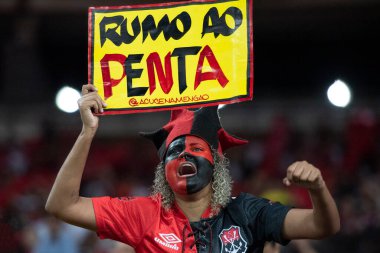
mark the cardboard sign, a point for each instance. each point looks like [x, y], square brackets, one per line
[145, 58]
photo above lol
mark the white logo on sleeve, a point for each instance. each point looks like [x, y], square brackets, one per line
[168, 240]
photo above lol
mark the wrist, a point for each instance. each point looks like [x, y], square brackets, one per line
[319, 187]
[88, 132]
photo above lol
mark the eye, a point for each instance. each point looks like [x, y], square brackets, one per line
[174, 151]
[197, 149]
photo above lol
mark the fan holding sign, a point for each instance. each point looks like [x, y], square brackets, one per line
[191, 208]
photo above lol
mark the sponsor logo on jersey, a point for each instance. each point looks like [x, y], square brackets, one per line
[168, 240]
[232, 240]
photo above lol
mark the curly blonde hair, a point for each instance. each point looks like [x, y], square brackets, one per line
[221, 184]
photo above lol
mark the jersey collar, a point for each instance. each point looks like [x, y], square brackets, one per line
[177, 211]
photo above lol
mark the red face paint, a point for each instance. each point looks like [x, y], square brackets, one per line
[188, 164]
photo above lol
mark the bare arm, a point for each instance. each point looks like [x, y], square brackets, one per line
[64, 201]
[319, 222]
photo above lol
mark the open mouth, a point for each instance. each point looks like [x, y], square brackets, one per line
[187, 169]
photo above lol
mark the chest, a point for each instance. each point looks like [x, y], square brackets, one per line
[219, 234]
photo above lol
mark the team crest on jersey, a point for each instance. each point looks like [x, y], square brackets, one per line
[232, 240]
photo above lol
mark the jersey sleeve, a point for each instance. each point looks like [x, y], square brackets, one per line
[123, 219]
[266, 218]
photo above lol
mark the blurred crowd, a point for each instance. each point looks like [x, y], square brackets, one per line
[119, 166]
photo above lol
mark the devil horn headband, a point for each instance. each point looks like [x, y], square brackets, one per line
[203, 123]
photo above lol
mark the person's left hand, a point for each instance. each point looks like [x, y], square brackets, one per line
[304, 174]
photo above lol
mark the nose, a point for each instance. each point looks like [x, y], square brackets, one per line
[184, 154]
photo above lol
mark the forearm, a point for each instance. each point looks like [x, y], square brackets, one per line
[65, 190]
[325, 217]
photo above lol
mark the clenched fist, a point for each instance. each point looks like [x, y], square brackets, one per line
[304, 174]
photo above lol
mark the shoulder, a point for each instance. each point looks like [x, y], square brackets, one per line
[244, 203]
[246, 198]
[146, 203]
[252, 205]
[152, 199]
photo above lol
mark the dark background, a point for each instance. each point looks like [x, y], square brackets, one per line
[301, 47]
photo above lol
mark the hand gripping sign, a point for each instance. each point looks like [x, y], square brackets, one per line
[145, 58]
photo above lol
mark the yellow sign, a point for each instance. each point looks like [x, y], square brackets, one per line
[162, 56]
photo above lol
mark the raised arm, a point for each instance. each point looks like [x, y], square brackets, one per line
[64, 201]
[319, 222]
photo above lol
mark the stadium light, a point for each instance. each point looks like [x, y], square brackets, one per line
[339, 94]
[66, 99]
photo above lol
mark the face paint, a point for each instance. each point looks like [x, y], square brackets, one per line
[188, 164]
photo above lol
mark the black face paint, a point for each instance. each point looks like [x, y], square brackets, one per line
[188, 164]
